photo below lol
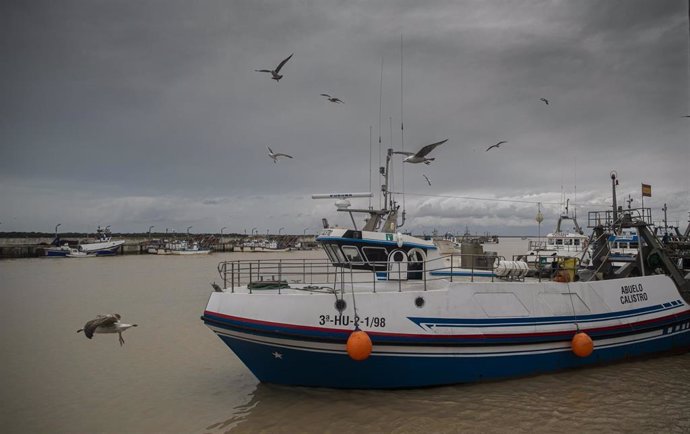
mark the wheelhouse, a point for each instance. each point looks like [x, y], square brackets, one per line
[376, 251]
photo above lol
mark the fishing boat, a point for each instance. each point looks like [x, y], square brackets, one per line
[101, 245]
[543, 256]
[263, 246]
[180, 247]
[375, 316]
[623, 247]
[60, 248]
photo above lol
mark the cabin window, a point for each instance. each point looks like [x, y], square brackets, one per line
[352, 254]
[329, 251]
[568, 242]
[375, 254]
[559, 242]
[334, 253]
[550, 242]
[339, 254]
[577, 242]
[398, 256]
[415, 266]
[416, 255]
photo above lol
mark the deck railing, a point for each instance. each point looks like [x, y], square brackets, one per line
[322, 274]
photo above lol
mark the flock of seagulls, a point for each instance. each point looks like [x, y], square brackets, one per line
[275, 75]
[102, 324]
[410, 157]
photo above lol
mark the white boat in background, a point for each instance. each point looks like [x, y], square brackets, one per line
[180, 247]
[262, 246]
[74, 253]
[103, 245]
[541, 254]
[623, 247]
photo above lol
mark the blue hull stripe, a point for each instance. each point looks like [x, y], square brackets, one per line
[56, 254]
[379, 338]
[530, 321]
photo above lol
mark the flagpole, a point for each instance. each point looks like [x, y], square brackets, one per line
[642, 190]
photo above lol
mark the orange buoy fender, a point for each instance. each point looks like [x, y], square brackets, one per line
[582, 344]
[359, 345]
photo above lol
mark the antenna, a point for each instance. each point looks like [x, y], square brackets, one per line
[343, 204]
[340, 195]
[370, 129]
[390, 126]
[380, 107]
[402, 136]
[575, 187]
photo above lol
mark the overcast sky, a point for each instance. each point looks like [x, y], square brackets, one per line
[140, 113]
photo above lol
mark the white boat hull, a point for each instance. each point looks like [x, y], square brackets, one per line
[102, 248]
[459, 332]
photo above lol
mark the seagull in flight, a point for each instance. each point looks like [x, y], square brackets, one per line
[546, 101]
[275, 155]
[427, 179]
[275, 73]
[496, 145]
[109, 323]
[333, 99]
[420, 156]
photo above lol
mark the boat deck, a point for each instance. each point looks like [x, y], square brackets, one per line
[295, 276]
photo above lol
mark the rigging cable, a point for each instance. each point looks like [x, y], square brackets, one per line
[448, 196]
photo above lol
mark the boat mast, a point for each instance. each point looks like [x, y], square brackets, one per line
[391, 223]
[614, 183]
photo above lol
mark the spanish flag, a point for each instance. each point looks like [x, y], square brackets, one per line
[646, 190]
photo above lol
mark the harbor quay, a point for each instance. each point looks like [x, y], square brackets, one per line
[30, 245]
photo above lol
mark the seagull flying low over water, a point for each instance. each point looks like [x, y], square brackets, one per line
[274, 73]
[333, 99]
[427, 179]
[109, 323]
[496, 145]
[275, 155]
[420, 156]
[546, 101]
